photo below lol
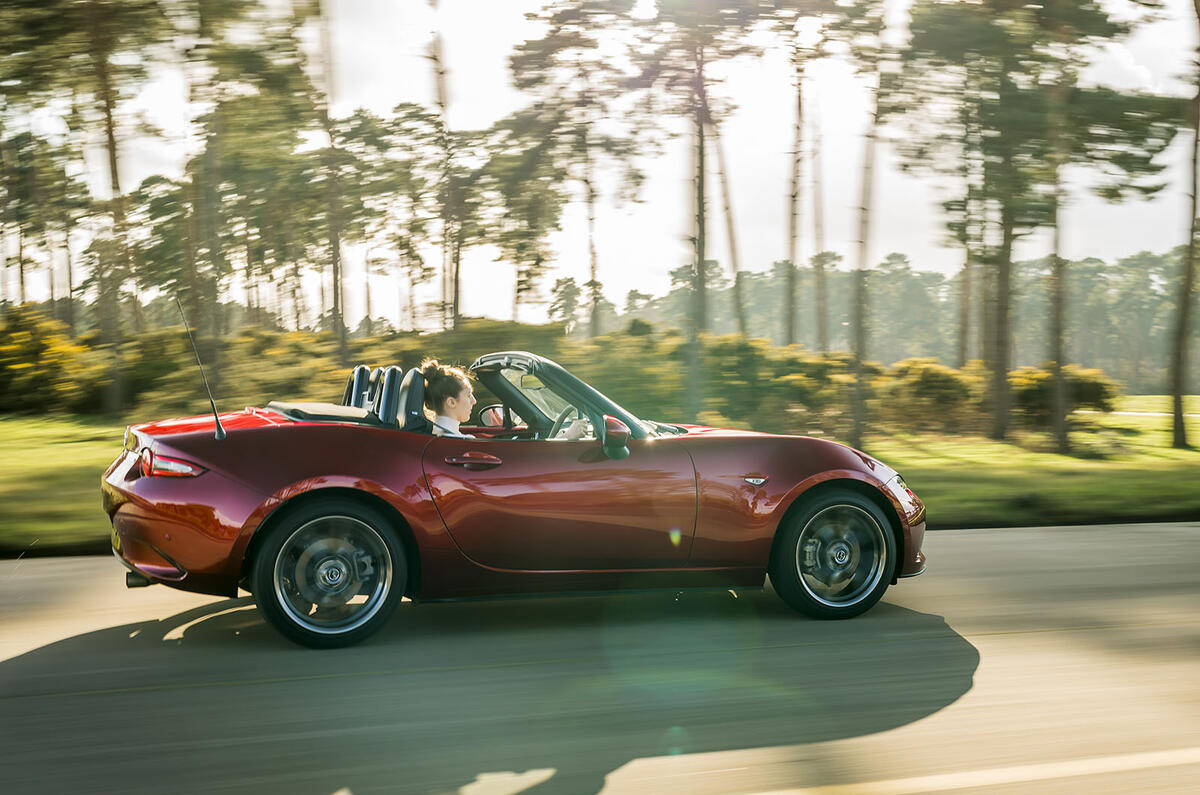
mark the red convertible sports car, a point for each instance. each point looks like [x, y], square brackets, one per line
[330, 514]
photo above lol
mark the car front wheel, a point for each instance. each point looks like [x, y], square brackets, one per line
[329, 574]
[834, 556]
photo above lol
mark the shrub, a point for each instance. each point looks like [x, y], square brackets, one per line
[1033, 390]
[922, 394]
[41, 369]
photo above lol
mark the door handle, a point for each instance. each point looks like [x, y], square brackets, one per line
[474, 460]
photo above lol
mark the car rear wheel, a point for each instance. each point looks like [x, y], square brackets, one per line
[834, 556]
[329, 574]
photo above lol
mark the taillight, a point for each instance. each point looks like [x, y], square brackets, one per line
[161, 466]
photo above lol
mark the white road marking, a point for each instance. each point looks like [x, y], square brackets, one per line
[945, 782]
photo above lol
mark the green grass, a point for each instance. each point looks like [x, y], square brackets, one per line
[1156, 403]
[1122, 469]
[50, 480]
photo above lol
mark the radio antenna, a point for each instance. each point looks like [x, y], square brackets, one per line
[220, 434]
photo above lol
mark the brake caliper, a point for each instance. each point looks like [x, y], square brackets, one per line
[363, 567]
[810, 553]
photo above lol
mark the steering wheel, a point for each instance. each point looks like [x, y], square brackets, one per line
[561, 420]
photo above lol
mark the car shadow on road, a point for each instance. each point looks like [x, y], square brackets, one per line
[460, 695]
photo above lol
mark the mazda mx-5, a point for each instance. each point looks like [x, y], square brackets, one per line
[331, 513]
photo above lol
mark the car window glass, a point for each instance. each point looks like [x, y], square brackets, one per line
[547, 400]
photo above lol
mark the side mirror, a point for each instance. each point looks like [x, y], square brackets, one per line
[492, 416]
[616, 438]
[495, 416]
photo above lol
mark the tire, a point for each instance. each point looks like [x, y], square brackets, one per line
[834, 557]
[329, 573]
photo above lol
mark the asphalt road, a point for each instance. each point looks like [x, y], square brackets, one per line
[1024, 660]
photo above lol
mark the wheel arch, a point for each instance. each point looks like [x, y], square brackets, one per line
[403, 530]
[862, 487]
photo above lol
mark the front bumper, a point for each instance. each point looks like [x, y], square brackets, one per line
[914, 562]
[914, 558]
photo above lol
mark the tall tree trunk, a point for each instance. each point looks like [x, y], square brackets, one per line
[54, 312]
[1058, 296]
[698, 320]
[324, 300]
[1187, 284]
[69, 315]
[412, 303]
[789, 288]
[1059, 95]
[108, 307]
[860, 288]
[367, 289]
[3, 270]
[964, 299]
[455, 272]
[818, 210]
[964, 312]
[700, 280]
[21, 263]
[1001, 337]
[297, 297]
[985, 290]
[111, 330]
[209, 170]
[253, 303]
[593, 284]
[443, 102]
[333, 188]
[739, 306]
[191, 242]
[516, 291]
[4, 224]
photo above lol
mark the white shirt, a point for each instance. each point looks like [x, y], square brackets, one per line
[448, 426]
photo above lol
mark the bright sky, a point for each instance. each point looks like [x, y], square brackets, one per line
[380, 48]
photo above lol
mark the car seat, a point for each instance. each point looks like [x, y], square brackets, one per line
[355, 393]
[411, 403]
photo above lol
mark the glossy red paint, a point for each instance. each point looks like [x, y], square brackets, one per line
[565, 505]
[551, 516]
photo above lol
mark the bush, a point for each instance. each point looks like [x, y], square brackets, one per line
[748, 383]
[41, 369]
[1033, 390]
[922, 394]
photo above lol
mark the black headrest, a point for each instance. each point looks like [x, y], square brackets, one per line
[386, 399]
[412, 403]
[355, 393]
[372, 391]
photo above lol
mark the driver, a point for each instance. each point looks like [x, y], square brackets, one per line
[448, 395]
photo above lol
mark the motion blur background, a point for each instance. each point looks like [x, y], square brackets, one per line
[953, 233]
[959, 235]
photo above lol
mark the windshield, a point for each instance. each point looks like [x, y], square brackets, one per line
[552, 403]
[547, 400]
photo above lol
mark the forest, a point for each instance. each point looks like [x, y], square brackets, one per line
[988, 98]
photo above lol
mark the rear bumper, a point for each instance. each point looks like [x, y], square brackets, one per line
[132, 548]
[179, 532]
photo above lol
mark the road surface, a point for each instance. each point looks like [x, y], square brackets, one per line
[1048, 660]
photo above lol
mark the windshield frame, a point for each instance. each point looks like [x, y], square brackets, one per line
[560, 381]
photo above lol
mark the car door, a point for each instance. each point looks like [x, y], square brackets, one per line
[539, 505]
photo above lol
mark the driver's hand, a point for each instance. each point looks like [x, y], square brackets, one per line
[576, 429]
